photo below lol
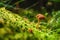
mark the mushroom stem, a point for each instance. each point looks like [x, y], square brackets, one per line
[38, 21]
[38, 24]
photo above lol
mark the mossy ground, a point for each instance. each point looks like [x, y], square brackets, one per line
[16, 27]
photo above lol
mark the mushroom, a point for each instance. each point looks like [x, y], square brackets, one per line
[30, 30]
[39, 17]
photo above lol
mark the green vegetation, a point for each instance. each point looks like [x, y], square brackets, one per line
[24, 23]
[55, 0]
[16, 27]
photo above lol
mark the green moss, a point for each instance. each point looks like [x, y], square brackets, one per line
[14, 27]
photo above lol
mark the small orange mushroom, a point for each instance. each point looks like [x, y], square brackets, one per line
[30, 30]
[39, 17]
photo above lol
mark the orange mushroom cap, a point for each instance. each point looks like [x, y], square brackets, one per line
[40, 16]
